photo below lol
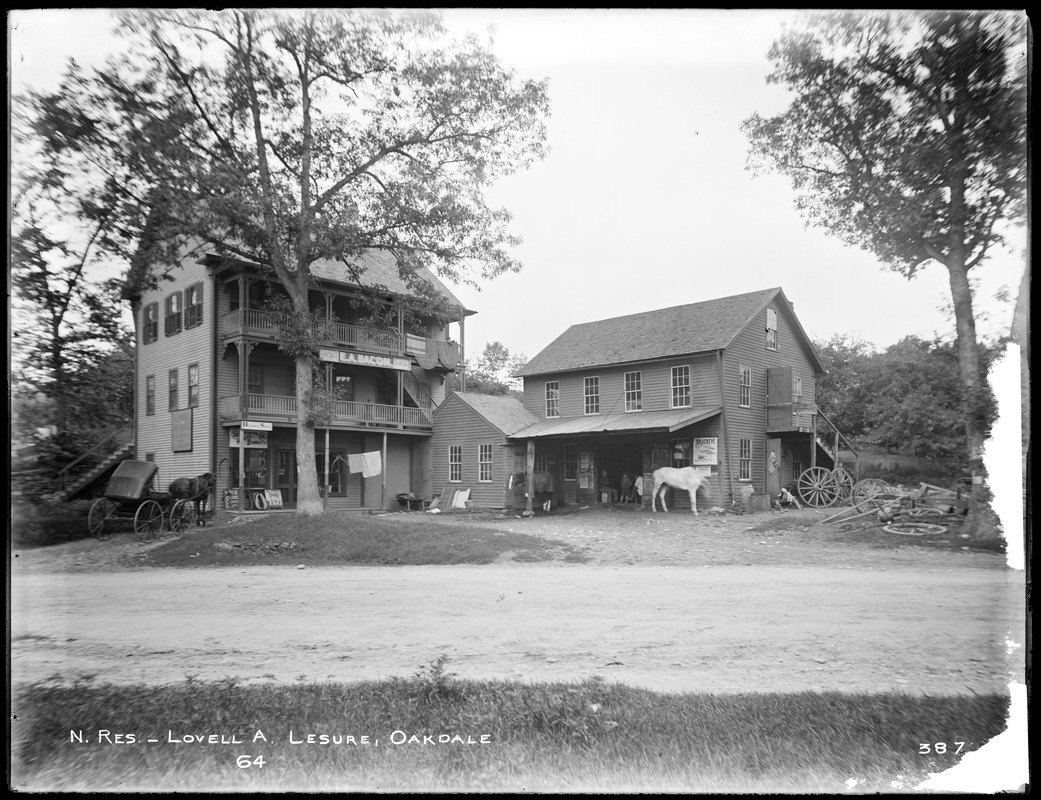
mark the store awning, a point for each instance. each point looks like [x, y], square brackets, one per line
[620, 422]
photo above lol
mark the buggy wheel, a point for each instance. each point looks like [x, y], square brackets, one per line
[868, 488]
[181, 516]
[843, 484]
[148, 521]
[914, 528]
[99, 518]
[817, 487]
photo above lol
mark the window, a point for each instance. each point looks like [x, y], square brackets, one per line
[255, 379]
[193, 385]
[796, 470]
[150, 327]
[744, 468]
[150, 457]
[681, 386]
[336, 467]
[571, 462]
[150, 395]
[484, 463]
[633, 392]
[771, 329]
[541, 464]
[455, 463]
[681, 452]
[796, 389]
[745, 388]
[173, 314]
[552, 398]
[173, 390]
[193, 306]
[591, 391]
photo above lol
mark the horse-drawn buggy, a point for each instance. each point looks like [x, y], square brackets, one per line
[130, 495]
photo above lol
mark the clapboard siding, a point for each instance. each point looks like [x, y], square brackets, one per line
[456, 423]
[177, 351]
[655, 380]
[749, 348]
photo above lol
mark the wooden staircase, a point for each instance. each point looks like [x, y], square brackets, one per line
[71, 484]
[833, 444]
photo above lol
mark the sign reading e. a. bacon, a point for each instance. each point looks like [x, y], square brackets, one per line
[365, 359]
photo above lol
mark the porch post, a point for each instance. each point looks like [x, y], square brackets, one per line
[383, 486]
[531, 468]
[325, 493]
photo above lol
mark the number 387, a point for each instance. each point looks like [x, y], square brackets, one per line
[940, 748]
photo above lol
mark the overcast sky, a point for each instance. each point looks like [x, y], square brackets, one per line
[644, 201]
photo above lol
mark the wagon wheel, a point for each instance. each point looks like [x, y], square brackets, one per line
[817, 487]
[102, 511]
[868, 488]
[923, 511]
[148, 521]
[843, 483]
[914, 528]
[181, 516]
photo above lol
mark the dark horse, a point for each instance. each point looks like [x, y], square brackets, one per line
[197, 490]
[542, 483]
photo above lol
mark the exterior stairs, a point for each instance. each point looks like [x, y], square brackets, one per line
[71, 485]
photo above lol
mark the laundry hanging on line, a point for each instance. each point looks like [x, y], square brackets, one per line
[368, 464]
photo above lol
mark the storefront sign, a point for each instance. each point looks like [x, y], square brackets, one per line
[706, 451]
[255, 426]
[365, 359]
[253, 438]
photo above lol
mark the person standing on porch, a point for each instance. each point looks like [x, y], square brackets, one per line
[626, 487]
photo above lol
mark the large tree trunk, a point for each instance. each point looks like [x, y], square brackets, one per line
[980, 522]
[308, 502]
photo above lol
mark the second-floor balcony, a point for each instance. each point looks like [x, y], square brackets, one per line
[430, 353]
[346, 413]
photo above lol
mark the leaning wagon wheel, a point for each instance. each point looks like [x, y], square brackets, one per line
[817, 487]
[148, 521]
[843, 483]
[100, 515]
[868, 488]
[181, 515]
[914, 528]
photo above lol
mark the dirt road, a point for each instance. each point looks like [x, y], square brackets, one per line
[935, 629]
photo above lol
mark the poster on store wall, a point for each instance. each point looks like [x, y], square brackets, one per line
[706, 451]
[253, 438]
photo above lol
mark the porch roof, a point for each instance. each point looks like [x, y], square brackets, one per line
[618, 422]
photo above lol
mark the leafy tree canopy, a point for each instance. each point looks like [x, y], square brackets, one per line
[285, 137]
[906, 136]
[492, 372]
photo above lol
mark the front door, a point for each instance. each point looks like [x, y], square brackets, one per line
[285, 476]
[773, 467]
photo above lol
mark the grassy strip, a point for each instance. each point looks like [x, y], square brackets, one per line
[336, 539]
[590, 736]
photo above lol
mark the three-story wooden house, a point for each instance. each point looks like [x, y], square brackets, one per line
[215, 393]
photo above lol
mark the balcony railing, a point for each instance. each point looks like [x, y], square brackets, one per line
[431, 353]
[273, 407]
[266, 324]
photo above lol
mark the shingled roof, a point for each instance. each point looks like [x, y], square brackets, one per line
[679, 330]
[503, 411]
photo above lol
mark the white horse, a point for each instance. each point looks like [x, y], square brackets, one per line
[685, 478]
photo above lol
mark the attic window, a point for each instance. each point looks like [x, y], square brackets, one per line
[771, 329]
